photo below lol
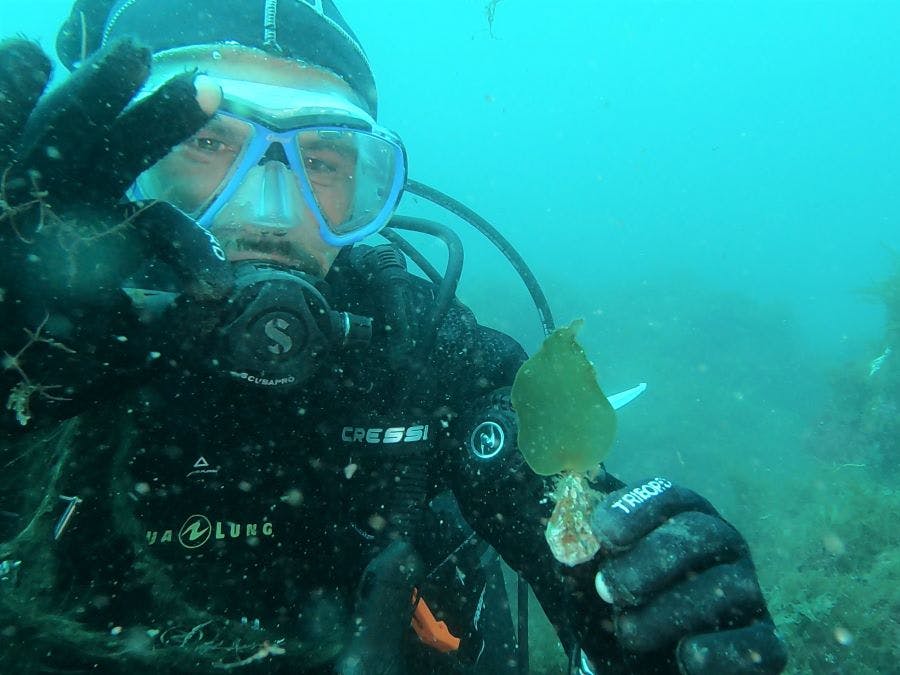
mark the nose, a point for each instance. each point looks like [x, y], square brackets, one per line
[268, 199]
[278, 195]
[275, 153]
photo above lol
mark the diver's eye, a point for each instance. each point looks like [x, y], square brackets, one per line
[207, 144]
[315, 165]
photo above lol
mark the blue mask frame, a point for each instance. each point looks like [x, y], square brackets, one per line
[262, 140]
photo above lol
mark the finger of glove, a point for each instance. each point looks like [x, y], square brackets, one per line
[148, 131]
[627, 515]
[24, 72]
[756, 649]
[72, 121]
[724, 597]
[193, 253]
[685, 544]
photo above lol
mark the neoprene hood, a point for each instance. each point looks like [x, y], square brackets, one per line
[312, 31]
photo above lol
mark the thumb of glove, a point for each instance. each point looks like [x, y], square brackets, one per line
[193, 253]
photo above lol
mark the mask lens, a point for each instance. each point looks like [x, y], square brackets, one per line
[352, 175]
[195, 171]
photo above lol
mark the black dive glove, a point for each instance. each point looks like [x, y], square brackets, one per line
[67, 239]
[67, 159]
[680, 581]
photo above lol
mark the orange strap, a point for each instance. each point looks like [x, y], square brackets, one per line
[432, 632]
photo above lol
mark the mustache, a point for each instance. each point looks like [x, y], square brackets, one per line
[281, 247]
[242, 239]
[273, 245]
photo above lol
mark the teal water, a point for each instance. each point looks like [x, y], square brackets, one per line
[710, 184]
[751, 144]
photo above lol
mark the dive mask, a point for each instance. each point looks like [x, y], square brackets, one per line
[278, 157]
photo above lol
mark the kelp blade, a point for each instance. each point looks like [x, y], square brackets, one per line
[565, 421]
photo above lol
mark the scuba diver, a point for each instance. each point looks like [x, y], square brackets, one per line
[238, 437]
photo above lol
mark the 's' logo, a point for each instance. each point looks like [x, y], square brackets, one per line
[274, 330]
[195, 531]
[487, 440]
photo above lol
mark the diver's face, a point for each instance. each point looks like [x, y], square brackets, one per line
[265, 217]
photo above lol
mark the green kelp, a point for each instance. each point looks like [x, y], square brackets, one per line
[566, 426]
[565, 421]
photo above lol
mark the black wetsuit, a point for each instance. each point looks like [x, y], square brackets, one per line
[268, 505]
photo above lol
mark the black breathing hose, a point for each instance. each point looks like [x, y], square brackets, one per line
[447, 288]
[497, 239]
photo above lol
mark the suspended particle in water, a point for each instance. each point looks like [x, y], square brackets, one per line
[292, 497]
[843, 636]
[833, 544]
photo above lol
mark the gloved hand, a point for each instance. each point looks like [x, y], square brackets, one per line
[66, 160]
[680, 579]
[68, 240]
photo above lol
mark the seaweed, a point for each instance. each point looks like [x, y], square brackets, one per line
[490, 12]
[832, 569]
[887, 291]
[566, 422]
[833, 563]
